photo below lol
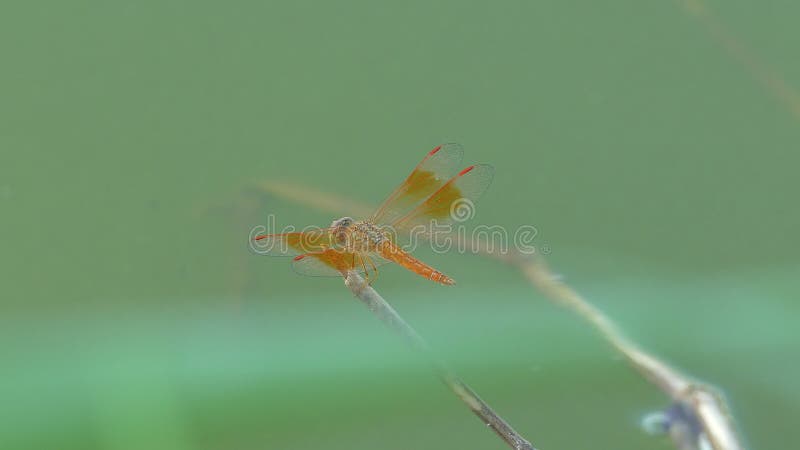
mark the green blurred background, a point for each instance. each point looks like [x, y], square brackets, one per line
[658, 164]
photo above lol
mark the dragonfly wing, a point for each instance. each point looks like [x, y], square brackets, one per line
[438, 166]
[453, 201]
[376, 258]
[326, 263]
[335, 263]
[296, 243]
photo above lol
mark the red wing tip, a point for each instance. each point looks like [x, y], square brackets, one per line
[432, 152]
[263, 236]
[298, 257]
[466, 170]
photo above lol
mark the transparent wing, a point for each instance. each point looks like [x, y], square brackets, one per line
[438, 166]
[376, 259]
[326, 263]
[335, 263]
[454, 201]
[296, 243]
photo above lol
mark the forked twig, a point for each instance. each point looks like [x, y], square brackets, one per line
[698, 417]
[381, 308]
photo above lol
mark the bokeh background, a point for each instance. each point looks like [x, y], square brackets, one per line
[654, 145]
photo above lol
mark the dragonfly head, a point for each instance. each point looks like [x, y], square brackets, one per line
[341, 229]
[344, 222]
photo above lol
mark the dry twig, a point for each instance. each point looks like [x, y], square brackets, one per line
[769, 78]
[391, 319]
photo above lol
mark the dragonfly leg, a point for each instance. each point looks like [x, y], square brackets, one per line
[363, 267]
[353, 261]
[374, 268]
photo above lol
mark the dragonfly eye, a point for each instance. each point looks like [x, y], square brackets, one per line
[343, 222]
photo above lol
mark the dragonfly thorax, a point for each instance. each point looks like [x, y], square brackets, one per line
[357, 235]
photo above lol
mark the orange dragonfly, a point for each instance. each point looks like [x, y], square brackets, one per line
[425, 199]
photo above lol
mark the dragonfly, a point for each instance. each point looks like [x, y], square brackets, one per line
[425, 201]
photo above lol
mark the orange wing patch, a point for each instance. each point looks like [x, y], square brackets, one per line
[288, 244]
[325, 263]
[467, 186]
[431, 173]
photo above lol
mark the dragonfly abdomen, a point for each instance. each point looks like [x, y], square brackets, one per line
[403, 258]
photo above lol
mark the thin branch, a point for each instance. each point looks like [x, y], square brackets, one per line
[314, 198]
[391, 319]
[703, 416]
[766, 76]
[699, 416]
